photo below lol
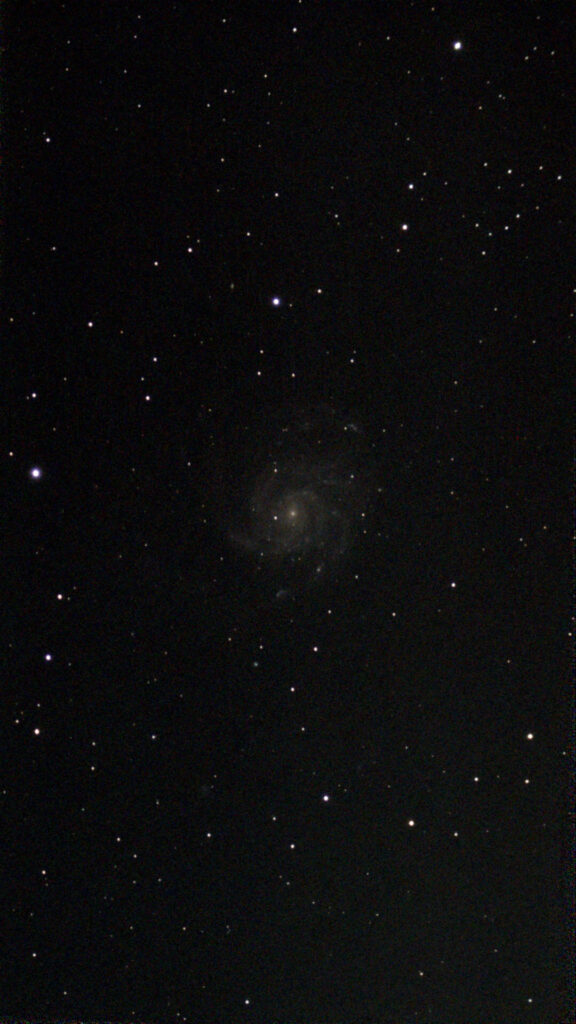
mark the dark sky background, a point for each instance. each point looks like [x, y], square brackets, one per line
[286, 714]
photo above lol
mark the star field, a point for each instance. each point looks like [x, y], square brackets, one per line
[287, 716]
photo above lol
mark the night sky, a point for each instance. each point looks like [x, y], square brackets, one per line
[287, 391]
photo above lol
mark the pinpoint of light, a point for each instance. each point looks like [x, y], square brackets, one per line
[276, 300]
[36, 473]
[457, 45]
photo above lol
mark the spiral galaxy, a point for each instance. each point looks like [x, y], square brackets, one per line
[295, 512]
[303, 499]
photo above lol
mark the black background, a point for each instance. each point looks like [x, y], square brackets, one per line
[174, 716]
